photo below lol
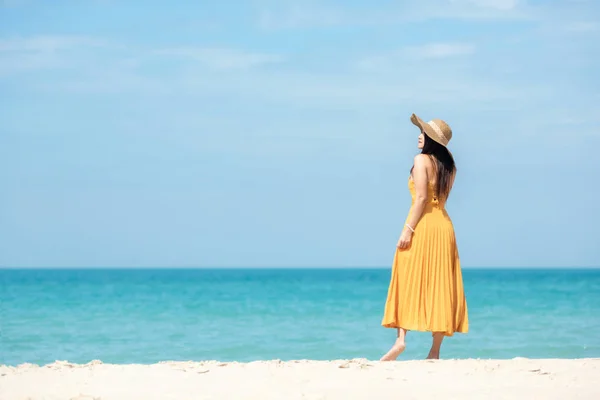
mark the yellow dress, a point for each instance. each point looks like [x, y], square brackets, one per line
[426, 288]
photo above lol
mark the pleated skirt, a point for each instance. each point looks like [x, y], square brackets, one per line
[426, 290]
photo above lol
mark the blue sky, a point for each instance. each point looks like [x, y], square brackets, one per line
[277, 132]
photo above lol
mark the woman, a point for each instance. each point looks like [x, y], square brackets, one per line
[426, 288]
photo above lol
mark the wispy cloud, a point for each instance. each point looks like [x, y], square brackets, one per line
[303, 15]
[48, 43]
[402, 76]
[222, 58]
[440, 50]
[502, 5]
[397, 59]
[19, 54]
[311, 15]
[48, 52]
[349, 89]
[583, 27]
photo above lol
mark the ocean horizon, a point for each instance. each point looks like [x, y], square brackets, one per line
[333, 267]
[146, 315]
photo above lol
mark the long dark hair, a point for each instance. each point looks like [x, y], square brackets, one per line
[444, 165]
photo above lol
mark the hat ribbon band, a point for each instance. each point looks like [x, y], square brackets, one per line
[437, 130]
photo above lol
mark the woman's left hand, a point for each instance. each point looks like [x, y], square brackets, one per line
[405, 239]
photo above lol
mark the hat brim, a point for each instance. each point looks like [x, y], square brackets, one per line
[426, 129]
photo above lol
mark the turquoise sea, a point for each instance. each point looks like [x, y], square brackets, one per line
[145, 316]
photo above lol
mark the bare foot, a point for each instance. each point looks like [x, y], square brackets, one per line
[433, 355]
[394, 352]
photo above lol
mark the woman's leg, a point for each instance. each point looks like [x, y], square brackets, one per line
[397, 348]
[434, 353]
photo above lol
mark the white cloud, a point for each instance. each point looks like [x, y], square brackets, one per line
[394, 60]
[48, 43]
[47, 51]
[415, 84]
[19, 54]
[582, 27]
[403, 76]
[311, 15]
[222, 58]
[440, 50]
[502, 5]
[299, 16]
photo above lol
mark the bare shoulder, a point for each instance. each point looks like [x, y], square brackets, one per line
[422, 160]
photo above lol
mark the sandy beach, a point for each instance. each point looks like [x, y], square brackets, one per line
[303, 379]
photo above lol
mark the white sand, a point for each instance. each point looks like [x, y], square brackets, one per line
[354, 379]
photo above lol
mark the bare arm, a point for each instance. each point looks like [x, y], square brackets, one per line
[421, 181]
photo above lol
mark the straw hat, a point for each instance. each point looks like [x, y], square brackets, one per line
[436, 129]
